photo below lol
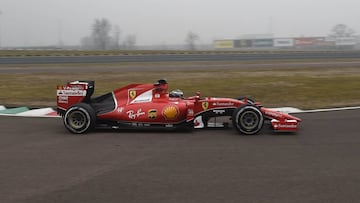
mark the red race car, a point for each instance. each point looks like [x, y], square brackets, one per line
[153, 106]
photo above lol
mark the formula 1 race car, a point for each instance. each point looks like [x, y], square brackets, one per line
[152, 106]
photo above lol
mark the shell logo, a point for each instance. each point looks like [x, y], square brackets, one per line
[170, 112]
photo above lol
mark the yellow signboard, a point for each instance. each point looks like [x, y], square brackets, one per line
[224, 44]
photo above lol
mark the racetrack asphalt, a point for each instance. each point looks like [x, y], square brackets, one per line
[179, 57]
[42, 162]
[33, 69]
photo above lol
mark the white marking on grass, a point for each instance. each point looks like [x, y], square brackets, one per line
[36, 112]
[331, 109]
[287, 110]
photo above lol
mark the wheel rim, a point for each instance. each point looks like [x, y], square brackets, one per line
[249, 120]
[77, 119]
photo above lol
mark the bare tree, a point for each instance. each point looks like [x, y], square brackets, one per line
[104, 36]
[116, 37]
[191, 39]
[100, 33]
[0, 29]
[342, 30]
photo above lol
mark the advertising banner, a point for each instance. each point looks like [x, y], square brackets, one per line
[224, 44]
[325, 42]
[345, 41]
[242, 43]
[263, 43]
[305, 41]
[283, 42]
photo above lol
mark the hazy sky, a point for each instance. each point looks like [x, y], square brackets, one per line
[44, 22]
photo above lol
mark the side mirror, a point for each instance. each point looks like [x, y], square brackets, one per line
[197, 97]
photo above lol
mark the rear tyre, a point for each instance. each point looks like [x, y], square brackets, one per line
[80, 118]
[248, 119]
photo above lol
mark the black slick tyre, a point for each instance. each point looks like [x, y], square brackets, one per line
[80, 118]
[248, 119]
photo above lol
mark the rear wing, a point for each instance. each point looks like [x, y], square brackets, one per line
[73, 93]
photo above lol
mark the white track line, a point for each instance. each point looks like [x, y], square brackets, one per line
[328, 110]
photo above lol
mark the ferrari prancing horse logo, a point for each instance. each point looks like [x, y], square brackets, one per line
[205, 105]
[132, 94]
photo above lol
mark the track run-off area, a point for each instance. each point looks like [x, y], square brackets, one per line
[43, 162]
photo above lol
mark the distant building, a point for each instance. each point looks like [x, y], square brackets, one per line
[268, 41]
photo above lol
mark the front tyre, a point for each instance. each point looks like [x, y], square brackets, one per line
[80, 118]
[248, 119]
[249, 100]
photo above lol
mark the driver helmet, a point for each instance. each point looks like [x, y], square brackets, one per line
[177, 94]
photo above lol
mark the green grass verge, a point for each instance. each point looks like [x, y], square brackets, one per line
[305, 88]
